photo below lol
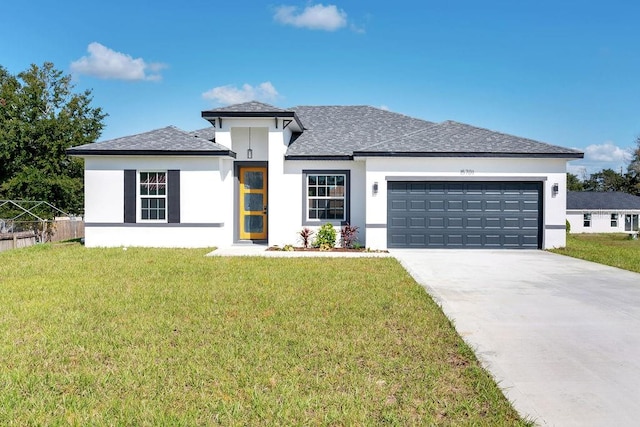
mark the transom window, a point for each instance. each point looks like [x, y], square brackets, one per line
[326, 195]
[586, 220]
[614, 219]
[153, 196]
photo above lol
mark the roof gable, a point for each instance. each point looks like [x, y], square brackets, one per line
[168, 140]
[601, 200]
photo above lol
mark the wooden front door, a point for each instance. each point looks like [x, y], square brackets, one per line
[253, 203]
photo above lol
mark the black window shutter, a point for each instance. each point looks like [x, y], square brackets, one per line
[173, 196]
[129, 196]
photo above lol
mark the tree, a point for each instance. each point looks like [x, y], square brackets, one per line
[633, 170]
[40, 117]
[574, 183]
[606, 180]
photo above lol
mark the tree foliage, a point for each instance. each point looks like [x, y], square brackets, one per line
[574, 183]
[610, 180]
[40, 117]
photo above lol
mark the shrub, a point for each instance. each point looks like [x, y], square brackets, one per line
[568, 226]
[305, 235]
[349, 236]
[325, 237]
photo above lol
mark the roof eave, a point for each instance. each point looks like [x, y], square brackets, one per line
[95, 152]
[466, 154]
[212, 115]
[318, 157]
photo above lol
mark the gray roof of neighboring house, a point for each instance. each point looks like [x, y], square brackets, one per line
[168, 141]
[599, 200]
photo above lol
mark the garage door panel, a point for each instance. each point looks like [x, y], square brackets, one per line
[435, 205]
[454, 205]
[464, 214]
[398, 205]
[436, 222]
[417, 205]
[418, 222]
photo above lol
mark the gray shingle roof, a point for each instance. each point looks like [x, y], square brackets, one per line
[248, 107]
[362, 130]
[455, 138]
[341, 130]
[168, 140]
[598, 200]
[208, 133]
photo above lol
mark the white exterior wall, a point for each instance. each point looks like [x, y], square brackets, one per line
[288, 218]
[206, 195]
[549, 171]
[600, 221]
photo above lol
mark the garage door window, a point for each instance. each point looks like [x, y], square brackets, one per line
[586, 220]
[326, 196]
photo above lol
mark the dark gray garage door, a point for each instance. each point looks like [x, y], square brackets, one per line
[464, 214]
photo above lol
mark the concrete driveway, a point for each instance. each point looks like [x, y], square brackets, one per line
[560, 335]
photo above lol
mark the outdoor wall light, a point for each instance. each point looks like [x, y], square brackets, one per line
[555, 189]
[249, 153]
[375, 188]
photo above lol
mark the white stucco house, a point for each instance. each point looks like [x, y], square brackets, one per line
[602, 212]
[261, 173]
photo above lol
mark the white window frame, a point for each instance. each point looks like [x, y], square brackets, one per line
[614, 220]
[307, 199]
[141, 197]
[586, 220]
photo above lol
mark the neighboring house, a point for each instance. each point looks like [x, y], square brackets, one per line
[262, 173]
[602, 212]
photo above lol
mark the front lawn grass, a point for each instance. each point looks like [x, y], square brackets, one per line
[171, 337]
[614, 249]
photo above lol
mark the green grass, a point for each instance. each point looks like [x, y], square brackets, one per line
[170, 337]
[616, 250]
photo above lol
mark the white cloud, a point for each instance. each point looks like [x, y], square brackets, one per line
[607, 152]
[106, 63]
[314, 17]
[598, 157]
[230, 94]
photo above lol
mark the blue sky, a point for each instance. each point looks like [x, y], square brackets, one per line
[562, 72]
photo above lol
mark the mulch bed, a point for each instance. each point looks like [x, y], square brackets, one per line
[301, 249]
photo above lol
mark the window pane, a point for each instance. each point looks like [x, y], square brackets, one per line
[340, 180]
[253, 224]
[253, 180]
[312, 180]
[253, 202]
[322, 180]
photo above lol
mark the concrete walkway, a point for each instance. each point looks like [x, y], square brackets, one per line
[560, 335]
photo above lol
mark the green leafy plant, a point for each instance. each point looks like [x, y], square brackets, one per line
[326, 236]
[305, 235]
[349, 236]
[568, 226]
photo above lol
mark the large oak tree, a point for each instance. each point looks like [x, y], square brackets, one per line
[40, 117]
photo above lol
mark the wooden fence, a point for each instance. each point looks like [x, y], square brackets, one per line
[65, 228]
[62, 228]
[21, 239]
